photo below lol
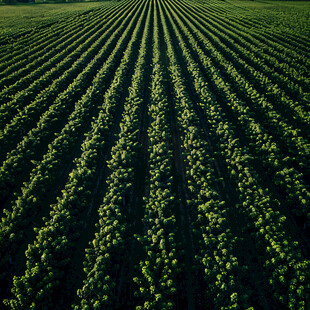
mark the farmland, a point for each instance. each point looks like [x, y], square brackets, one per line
[155, 155]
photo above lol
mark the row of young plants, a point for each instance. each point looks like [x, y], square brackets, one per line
[51, 252]
[157, 273]
[18, 159]
[297, 40]
[213, 246]
[57, 80]
[48, 173]
[287, 43]
[292, 66]
[30, 51]
[282, 51]
[227, 111]
[277, 60]
[33, 69]
[285, 266]
[265, 149]
[27, 118]
[11, 74]
[37, 41]
[23, 66]
[279, 85]
[287, 30]
[47, 87]
[111, 245]
[286, 100]
[231, 99]
[277, 66]
[219, 48]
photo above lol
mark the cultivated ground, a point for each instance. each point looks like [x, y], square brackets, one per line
[155, 155]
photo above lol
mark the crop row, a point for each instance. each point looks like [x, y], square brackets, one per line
[155, 155]
[50, 169]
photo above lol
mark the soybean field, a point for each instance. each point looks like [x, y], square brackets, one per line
[155, 154]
